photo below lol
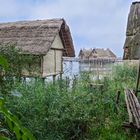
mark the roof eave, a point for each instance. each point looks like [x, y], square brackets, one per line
[67, 41]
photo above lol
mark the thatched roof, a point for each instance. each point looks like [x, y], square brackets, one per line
[36, 37]
[85, 52]
[132, 41]
[99, 53]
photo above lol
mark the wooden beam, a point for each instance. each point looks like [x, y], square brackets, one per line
[128, 108]
[133, 107]
[59, 49]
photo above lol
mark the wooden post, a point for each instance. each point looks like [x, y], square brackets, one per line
[61, 68]
[24, 80]
[71, 67]
[67, 82]
[35, 79]
[60, 82]
[138, 78]
[61, 76]
[89, 65]
[74, 83]
[98, 76]
[43, 80]
[118, 97]
[54, 78]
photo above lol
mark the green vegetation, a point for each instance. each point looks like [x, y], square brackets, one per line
[62, 112]
[14, 124]
[20, 133]
[81, 112]
[16, 63]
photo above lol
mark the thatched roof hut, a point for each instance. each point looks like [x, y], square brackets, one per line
[96, 53]
[50, 39]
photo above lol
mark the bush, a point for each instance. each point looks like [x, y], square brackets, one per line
[75, 113]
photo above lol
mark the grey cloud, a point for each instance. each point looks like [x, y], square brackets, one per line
[99, 23]
[8, 8]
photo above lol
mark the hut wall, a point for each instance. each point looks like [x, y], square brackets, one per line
[59, 61]
[32, 69]
[52, 61]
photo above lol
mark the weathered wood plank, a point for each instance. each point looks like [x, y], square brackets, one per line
[128, 109]
[133, 107]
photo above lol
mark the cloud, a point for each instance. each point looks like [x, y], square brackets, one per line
[100, 23]
[7, 8]
[13, 10]
[94, 23]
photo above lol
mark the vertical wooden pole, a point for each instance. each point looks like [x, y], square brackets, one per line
[43, 80]
[61, 68]
[71, 67]
[79, 66]
[60, 82]
[54, 61]
[98, 77]
[138, 78]
[54, 78]
[61, 76]
[24, 80]
[67, 83]
[35, 79]
[118, 97]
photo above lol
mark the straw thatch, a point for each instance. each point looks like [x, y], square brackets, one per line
[132, 41]
[36, 37]
[96, 53]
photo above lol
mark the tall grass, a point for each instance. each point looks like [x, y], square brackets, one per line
[56, 112]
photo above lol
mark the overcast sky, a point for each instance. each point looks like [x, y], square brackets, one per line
[93, 23]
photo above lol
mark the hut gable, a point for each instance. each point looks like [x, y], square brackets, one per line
[84, 53]
[96, 53]
[93, 54]
[36, 37]
[57, 43]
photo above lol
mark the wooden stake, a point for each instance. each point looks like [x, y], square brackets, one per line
[118, 97]
[138, 78]
[54, 77]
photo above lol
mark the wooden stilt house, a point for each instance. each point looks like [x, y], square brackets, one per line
[91, 59]
[49, 40]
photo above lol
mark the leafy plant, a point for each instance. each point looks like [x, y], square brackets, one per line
[75, 112]
[3, 63]
[14, 124]
[18, 65]
[12, 121]
[54, 113]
